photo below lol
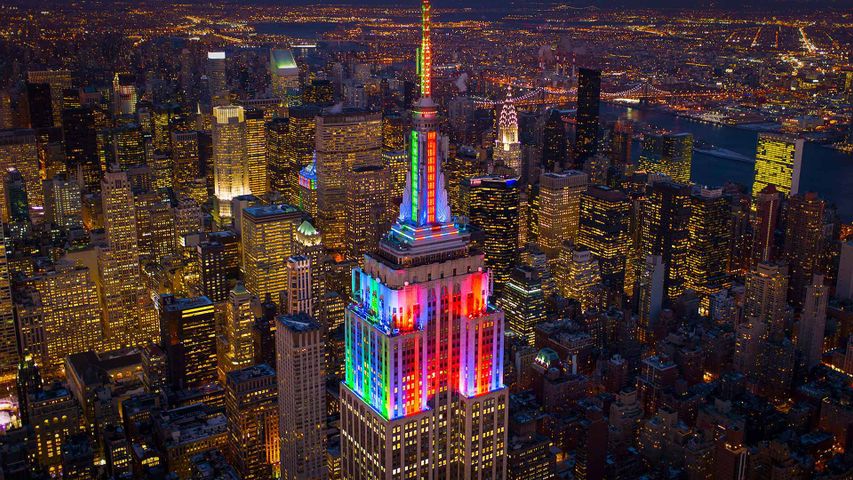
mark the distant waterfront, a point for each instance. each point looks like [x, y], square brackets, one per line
[825, 170]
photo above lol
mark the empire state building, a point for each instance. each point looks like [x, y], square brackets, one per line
[424, 395]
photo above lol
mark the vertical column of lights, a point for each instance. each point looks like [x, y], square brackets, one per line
[432, 160]
[414, 175]
[426, 53]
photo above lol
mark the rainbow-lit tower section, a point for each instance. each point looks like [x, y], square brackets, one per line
[423, 395]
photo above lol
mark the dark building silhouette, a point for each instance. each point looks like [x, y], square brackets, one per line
[586, 132]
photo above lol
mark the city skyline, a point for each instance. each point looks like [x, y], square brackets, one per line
[397, 240]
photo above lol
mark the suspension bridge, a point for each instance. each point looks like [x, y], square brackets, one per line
[643, 91]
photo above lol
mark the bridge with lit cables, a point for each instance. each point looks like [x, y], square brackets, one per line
[641, 91]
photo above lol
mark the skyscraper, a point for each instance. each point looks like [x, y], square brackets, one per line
[301, 397]
[665, 231]
[605, 215]
[559, 208]
[345, 140]
[185, 160]
[367, 209]
[844, 284]
[230, 160]
[188, 337]
[81, 146]
[523, 302]
[586, 132]
[39, 109]
[218, 257]
[236, 350]
[8, 337]
[669, 154]
[507, 146]
[423, 394]
[554, 145]
[778, 162]
[216, 80]
[118, 264]
[19, 150]
[267, 241]
[650, 286]
[251, 409]
[290, 147]
[284, 74]
[709, 233]
[493, 209]
[63, 204]
[299, 296]
[804, 242]
[813, 322]
[59, 81]
[765, 295]
[256, 152]
[766, 220]
[70, 313]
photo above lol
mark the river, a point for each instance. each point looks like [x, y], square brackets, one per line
[826, 171]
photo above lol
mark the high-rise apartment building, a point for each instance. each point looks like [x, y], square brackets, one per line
[778, 162]
[670, 154]
[555, 150]
[300, 355]
[559, 208]
[79, 125]
[650, 286]
[345, 140]
[267, 242]
[230, 157]
[423, 394]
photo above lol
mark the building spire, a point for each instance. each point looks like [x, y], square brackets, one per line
[425, 61]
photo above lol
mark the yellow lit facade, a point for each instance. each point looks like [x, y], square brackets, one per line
[778, 162]
[559, 209]
[230, 160]
[709, 234]
[267, 241]
[344, 141]
[256, 152]
[236, 349]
